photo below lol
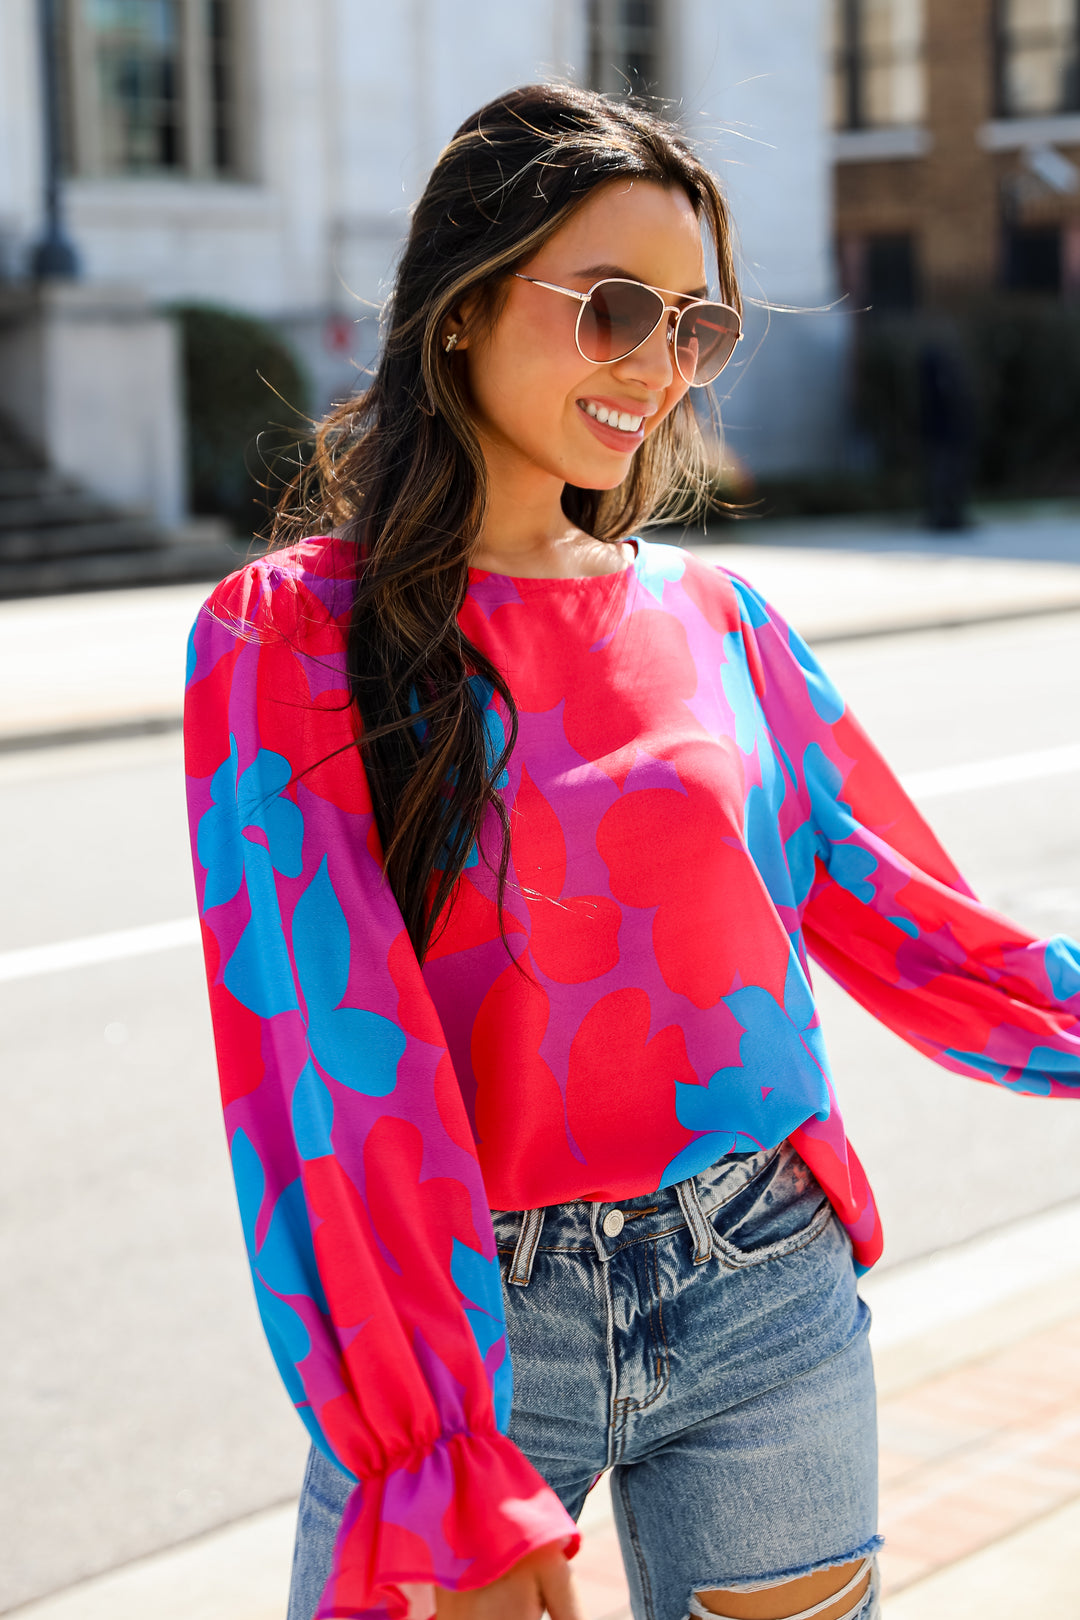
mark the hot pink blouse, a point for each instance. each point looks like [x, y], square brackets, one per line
[694, 814]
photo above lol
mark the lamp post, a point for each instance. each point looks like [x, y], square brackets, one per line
[54, 256]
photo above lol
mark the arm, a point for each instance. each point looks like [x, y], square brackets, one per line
[883, 908]
[361, 1198]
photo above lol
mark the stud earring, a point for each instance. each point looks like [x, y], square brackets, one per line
[451, 343]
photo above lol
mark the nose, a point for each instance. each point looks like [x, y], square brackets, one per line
[653, 365]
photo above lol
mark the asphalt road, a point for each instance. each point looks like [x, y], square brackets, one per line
[139, 1406]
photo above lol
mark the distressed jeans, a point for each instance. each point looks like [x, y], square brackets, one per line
[707, 1345]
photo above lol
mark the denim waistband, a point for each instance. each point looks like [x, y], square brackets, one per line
[606, 1228]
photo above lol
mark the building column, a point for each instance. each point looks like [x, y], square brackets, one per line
[962, 251]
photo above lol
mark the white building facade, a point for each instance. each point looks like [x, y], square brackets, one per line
[263, 154]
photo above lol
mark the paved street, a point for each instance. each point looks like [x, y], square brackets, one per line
[139, 1407]
[949, 1156]
[139, 1403]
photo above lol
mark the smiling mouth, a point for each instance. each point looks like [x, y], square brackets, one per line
[622, 420]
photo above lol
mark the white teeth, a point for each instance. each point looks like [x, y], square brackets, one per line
[616, 419]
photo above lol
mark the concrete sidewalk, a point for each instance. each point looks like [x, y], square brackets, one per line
[74, 666]
[977, 1352]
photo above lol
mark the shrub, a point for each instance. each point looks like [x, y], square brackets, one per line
[1021, 362]
[1026, 361]
[243, 439]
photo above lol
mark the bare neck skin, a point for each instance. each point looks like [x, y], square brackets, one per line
[526, 533]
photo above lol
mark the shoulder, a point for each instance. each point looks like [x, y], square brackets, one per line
[726, 600]
[297, 592]
[266, 667]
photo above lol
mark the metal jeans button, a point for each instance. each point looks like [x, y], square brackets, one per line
[614, 1221]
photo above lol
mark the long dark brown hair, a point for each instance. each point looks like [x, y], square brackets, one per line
[399, 468]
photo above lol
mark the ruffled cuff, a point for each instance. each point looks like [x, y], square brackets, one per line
[459, 1517]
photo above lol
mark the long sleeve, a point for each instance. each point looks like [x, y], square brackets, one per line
[361, 1198]
[884, 910]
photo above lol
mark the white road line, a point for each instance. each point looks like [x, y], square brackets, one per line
[114, 947]
[126, 942]
[982, 773]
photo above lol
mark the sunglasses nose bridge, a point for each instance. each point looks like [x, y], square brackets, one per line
[663, 318]
[674, 314]
[660, 313]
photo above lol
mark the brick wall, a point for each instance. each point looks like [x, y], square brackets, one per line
[958, 239]
[953, 200]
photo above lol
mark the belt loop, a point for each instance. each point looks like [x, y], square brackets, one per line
[525, 1253]
[700, 1230]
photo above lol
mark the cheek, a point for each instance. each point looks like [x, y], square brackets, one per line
[534, 357]
[525, 383]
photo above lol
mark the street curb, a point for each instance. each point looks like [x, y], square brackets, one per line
[161, 724]
[830, 638]
[948, 1309]
[18, 742]
[915, 1361]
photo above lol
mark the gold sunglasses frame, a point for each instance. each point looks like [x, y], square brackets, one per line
[678, 310]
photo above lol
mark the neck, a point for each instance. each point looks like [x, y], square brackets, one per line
[527, 535]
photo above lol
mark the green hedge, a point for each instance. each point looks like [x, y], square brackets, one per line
[1021, 361]
[243, 439]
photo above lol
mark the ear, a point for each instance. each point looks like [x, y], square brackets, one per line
[457, 323]
[453, 337]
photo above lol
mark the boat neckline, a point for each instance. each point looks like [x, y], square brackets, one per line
[476, 575]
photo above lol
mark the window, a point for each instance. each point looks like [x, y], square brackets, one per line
[152, 87]
[892, 280]
[1033, 259]
[1037, 53]
[877, 63]
[625, 45]
[880, 273]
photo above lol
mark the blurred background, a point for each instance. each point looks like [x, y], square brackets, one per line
[201, 202]
[207, 191]
[229, 184]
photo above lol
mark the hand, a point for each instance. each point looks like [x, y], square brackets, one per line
[539, 1583]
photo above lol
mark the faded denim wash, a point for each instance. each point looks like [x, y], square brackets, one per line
[712, 1353]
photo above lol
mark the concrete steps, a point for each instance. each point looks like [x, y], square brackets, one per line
[88, 533]
[56, 536]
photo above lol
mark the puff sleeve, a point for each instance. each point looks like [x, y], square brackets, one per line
[362, 1203]
[883, 908]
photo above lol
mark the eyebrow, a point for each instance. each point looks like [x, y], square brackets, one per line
[599, 272]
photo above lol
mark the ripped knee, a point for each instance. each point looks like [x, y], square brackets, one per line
[842, 1592]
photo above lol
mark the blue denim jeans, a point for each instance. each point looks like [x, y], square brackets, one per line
[708, 1346]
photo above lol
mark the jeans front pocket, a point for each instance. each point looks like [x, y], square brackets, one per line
[781, 1209]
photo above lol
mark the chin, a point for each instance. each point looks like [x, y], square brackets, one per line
[597, 478]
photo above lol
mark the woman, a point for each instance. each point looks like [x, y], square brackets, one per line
[512, 835]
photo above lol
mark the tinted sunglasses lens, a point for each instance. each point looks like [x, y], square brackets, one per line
[707, 335]
[618, 316]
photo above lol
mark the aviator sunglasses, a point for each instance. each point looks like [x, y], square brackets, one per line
[617, 316]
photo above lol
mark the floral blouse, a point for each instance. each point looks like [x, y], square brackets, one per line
[694, 815]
